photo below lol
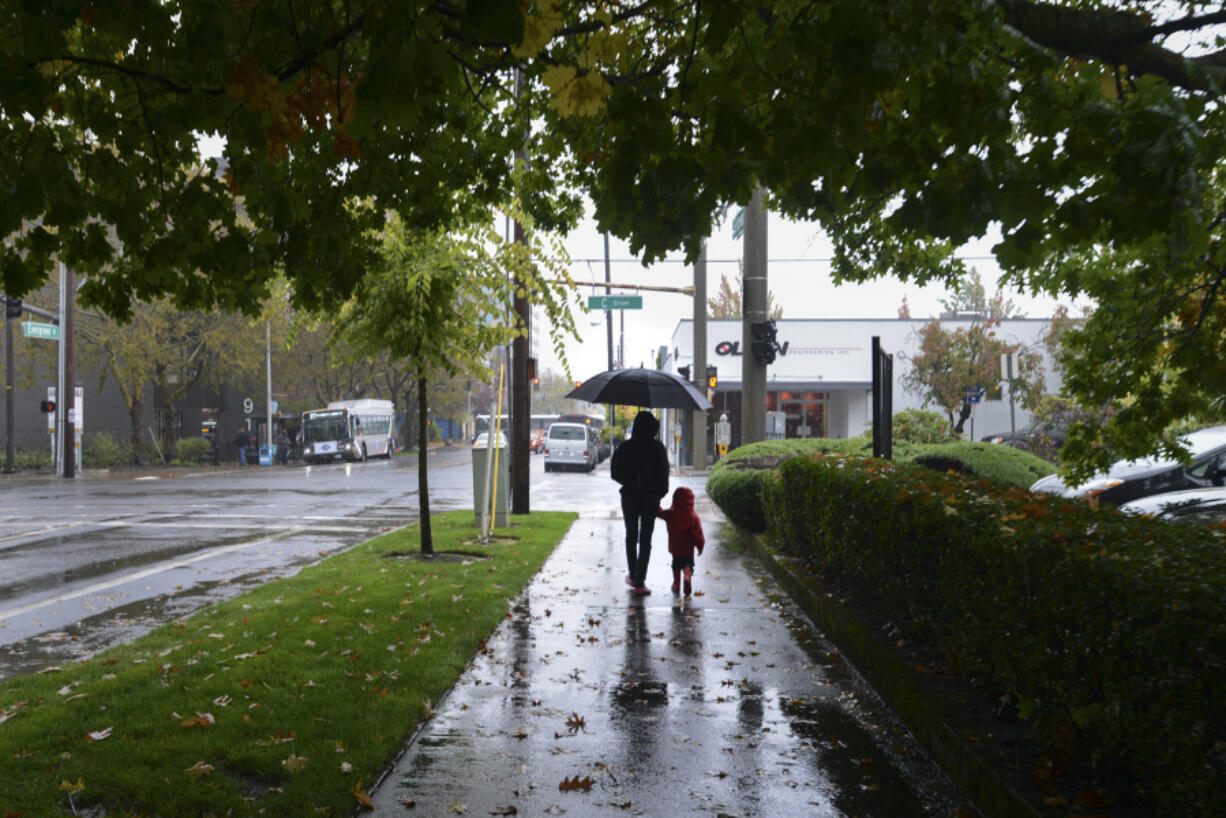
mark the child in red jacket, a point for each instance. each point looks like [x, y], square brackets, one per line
[684, 536]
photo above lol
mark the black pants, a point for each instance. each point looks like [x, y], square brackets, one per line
[639, 511]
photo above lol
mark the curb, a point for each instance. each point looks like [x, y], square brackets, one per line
[905, 691]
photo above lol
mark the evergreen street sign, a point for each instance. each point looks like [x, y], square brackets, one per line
[33, 329]
[615, 302]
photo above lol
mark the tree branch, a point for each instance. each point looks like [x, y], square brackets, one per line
[1112, 37]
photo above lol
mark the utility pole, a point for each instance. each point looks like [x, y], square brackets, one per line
[608, 326]
[10, 454]
[521, 396]
[698, 418]
[754, 310]
[69, 397]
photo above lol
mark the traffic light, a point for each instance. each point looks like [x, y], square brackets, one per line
[764, 340]
[47, 406]
[12, 307]
[712, 376]
[536, 383]
[684, 372]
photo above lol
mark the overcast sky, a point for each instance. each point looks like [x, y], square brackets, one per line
[798, 273]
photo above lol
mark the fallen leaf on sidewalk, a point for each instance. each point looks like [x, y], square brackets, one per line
[508, 810]
[575, 783]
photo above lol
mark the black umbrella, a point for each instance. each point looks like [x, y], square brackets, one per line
[649, 388]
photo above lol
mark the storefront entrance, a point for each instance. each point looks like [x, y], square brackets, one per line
[805, 413]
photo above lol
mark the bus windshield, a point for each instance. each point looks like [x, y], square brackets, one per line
[319, 427]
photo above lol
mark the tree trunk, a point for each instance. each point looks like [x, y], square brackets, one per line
[423, 488]
[136, 416]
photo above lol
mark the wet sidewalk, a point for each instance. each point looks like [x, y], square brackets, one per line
[589, 701]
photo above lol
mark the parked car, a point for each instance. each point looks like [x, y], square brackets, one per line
[570, 445]
[1032, 435]
[483, 440]
[1130, 479]
[1195, 505]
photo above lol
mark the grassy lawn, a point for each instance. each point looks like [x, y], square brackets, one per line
[285, 701]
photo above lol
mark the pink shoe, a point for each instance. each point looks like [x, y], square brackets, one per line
[642, 590]
[629, 581]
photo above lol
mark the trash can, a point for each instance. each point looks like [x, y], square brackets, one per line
[266, 453]
[499, 483]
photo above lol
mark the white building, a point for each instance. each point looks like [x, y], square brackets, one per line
[820, 384]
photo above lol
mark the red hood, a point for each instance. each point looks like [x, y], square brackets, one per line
[683, 498]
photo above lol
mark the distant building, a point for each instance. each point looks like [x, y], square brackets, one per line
[820, 383]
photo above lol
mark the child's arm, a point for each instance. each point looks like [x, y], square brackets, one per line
[699, 539]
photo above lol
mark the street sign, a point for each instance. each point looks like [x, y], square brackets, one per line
[615, 302]
[975, 394]
[33, 329]
[738, 223]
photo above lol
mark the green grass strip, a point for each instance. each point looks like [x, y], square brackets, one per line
[288, 700]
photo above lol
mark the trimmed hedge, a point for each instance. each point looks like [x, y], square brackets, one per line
[1109, 630]
[735, 482]
[1000, 464]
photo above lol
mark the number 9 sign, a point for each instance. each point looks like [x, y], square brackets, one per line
[248, 406]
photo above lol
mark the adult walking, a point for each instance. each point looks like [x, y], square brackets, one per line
[640, 465]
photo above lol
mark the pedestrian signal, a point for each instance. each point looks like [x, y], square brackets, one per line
[712, 377]
[12, 307]
[47, 406]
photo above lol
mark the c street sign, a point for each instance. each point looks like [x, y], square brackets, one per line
[33, 329]
[615, 302]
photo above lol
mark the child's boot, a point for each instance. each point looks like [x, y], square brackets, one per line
[688, 587]
[676, 581]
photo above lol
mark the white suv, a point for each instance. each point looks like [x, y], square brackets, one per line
[570, 444]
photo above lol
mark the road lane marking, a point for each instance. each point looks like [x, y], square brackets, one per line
[148, 572]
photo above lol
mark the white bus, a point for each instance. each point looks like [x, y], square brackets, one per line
[348, 430]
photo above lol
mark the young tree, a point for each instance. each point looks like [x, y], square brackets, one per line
[951, 363]
[429, 301]
[726, 303]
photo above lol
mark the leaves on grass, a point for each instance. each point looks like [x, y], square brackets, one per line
[362, 796]
[200, 720]
[99, 735]
[200, 769]
[70, 787]
[295, 763]
[576, 784]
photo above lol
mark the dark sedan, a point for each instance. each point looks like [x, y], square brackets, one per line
[1129, 479]
[1193, 505]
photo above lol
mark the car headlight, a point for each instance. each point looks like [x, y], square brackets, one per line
[306, 449]
[1097, 487]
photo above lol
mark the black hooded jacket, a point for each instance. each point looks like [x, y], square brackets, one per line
[641, 463]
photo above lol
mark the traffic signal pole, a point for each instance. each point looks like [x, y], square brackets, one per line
[698, 419]
[10, 454]
[754, 310]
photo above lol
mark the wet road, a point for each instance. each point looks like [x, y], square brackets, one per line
[587, 701]
[89, 562]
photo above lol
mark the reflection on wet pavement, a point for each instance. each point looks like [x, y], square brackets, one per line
[590, 702]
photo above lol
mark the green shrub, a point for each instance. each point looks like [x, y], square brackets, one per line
[101, 450]
[34, 459]
[1000, 464]
[1109, 630]
[739, 499]
[920, 426]
[738, 493]
[194, 449]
